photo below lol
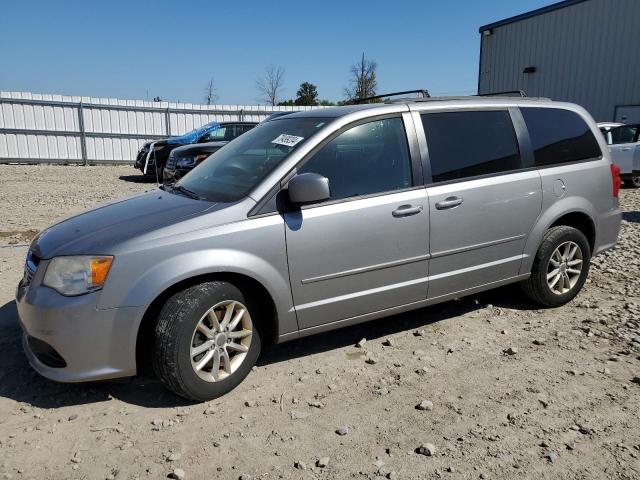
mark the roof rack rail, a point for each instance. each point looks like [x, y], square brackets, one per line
[508, 93]
[423, 92]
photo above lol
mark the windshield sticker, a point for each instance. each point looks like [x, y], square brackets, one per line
[287, 140]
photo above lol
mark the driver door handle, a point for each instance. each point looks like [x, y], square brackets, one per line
[406, 210]
[449, 202]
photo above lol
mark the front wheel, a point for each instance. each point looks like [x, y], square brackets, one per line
[560, 267]
[206, 340]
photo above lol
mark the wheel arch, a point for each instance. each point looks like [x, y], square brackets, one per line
[244, 282]
[580, 221]
[574, 212]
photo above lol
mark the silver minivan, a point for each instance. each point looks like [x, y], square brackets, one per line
[315, 221]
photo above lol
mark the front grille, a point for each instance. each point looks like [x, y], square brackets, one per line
[30, 267]
[28, 276]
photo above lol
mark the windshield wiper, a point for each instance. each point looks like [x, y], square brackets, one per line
[186, 192]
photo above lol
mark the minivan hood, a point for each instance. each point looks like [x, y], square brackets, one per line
[99, 230]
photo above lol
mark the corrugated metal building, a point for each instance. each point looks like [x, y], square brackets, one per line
[581, 51]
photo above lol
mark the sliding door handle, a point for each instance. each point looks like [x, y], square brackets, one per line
[406, 210]
[449, 202]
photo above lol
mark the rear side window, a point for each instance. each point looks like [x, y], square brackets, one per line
[624, 134]
[467, 144]
[559, 136]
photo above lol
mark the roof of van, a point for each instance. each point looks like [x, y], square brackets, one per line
[334, 112]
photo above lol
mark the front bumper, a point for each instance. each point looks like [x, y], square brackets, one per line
[93, 344]
[141, 159]
[173, 174]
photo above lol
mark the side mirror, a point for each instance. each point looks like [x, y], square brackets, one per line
[308, 188]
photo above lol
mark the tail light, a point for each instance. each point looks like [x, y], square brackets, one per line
[616, 181]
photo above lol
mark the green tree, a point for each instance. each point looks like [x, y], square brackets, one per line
[307, 94]
[287, 103]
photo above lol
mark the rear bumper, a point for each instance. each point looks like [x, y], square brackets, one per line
[608, 230]
[68, 339]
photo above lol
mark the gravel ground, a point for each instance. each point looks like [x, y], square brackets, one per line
[484, 387]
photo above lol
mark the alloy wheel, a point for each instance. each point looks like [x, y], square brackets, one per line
[565, 267]
[221, 340]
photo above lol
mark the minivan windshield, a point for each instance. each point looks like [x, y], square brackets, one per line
[234, 170]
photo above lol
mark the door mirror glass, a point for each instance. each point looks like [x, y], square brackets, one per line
[308, 188]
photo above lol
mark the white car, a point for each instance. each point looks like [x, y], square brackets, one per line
[625, 150]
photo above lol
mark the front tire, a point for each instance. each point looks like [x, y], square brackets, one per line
[560, 267]
[206, 340]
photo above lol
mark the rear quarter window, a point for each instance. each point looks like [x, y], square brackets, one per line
[559, 136]
[470, 143]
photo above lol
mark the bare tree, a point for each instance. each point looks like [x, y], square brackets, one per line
[210, 95]
[363, 82]
[271, 84]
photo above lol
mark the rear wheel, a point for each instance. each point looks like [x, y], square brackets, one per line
[206, 340]
[633, 181]
[560, 267]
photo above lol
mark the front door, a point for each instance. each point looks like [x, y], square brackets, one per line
[366, 249]
[623, 147]
[483, 202]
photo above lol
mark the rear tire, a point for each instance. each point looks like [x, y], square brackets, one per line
[633, 181]
[190, 340]
[560, 267]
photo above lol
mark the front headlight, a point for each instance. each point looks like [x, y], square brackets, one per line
[77, 275]
[186, 162]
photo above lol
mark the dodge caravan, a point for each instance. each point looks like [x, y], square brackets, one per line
[318, 220]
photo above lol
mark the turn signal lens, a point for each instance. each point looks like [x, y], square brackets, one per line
[99, 270]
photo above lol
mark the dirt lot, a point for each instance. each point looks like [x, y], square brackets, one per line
[564, 404]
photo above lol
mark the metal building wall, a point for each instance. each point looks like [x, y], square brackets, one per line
[587, 53]
[37, 128]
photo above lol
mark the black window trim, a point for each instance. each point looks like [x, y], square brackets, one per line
[522, 139]
[266, 205]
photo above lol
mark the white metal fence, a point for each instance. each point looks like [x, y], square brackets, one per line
[39, 128]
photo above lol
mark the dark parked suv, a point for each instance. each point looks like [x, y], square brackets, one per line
[153, 156]
[186, 158]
